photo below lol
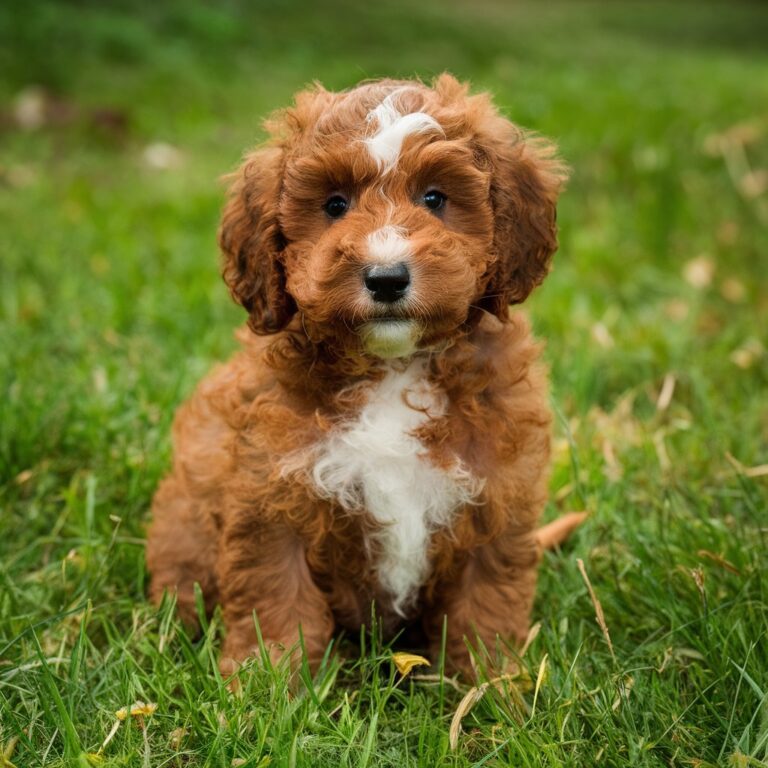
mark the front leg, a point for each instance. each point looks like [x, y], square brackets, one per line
[492, 596]
[263, 571]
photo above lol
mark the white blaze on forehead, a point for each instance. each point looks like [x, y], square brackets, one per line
[388, 245]
[393, 128]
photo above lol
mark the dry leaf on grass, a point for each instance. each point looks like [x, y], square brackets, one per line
[517, 683]
[139, 709]
[471, 698]
[509, 683]
[405, 662]
[555, 533]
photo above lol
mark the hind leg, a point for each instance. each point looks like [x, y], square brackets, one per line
[182, 545]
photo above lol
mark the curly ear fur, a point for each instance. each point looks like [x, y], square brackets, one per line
[251, 241]
[526, 178]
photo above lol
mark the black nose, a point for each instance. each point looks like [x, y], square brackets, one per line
[387, 282]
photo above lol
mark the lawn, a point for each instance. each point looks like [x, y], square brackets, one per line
[115, 125]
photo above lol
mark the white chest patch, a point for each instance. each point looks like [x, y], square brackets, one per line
[392, 129]
[376, 465]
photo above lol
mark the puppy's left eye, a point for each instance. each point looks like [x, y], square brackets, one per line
[434, 200]
[336, 206]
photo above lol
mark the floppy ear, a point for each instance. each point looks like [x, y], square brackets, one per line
[526, 178]
[251, 242]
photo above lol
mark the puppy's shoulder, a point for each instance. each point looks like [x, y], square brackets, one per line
[217, 404]
[497, 356]
[505, 341]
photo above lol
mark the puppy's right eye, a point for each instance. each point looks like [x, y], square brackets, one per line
[336, 206]
[434, 199]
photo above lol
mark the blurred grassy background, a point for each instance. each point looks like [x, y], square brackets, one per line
[116, 122]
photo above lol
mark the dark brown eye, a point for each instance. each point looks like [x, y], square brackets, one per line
[434, 200]
[336, 206]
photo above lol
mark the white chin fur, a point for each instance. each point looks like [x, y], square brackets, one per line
[390, 338]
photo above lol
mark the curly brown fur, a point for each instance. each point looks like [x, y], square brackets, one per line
[272, 506]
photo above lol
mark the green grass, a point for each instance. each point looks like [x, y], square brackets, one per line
[111, 309]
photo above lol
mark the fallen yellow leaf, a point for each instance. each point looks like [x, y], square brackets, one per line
[405, 662]
[139, 709]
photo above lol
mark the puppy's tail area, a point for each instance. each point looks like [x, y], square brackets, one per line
[552, 535]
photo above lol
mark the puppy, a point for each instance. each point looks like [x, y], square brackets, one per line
[382, 438]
